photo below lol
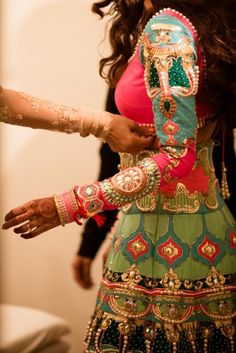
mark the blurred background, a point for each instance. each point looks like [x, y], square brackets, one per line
[49, 49]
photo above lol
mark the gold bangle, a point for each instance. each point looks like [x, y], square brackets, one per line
[59, 210]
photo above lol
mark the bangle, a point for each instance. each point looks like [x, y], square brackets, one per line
[67, 206]
[57, 201]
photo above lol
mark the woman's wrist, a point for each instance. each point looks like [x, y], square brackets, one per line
[67, 206]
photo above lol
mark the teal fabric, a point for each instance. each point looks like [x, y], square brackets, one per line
[185, 116]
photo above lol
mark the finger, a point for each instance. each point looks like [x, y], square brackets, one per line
[18, 211]
[17, 220]
[28, 227]
[37, 231]
[140, 143]
[143, 130]
[156, 143]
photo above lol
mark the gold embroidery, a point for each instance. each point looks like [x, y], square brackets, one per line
[174, 310]
[209, 249]
[129, 308]
[183, 201]
[132, 183]
[162, 57]
[131, 276]
[173, 152]
[129, 181]
[166, 171]
[126, 327]
[170, 280]
[147, 203]
[215, 279]
[170, 112]
[137, 247]
[170, 251]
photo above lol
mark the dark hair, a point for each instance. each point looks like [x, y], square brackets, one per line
[215, 22]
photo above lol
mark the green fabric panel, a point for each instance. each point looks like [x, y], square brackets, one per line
[187, 227]
[130, 224]
[216, 224]
[155, 225]
[228, 215]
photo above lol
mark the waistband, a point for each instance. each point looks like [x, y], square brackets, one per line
[199, 192]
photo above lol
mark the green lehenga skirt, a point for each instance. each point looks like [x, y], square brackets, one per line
[169, 283]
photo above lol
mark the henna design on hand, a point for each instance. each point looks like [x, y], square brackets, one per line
[33, 218]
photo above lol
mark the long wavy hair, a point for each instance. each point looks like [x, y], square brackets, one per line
[215, 22]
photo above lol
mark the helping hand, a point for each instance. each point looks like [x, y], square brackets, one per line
[127, 136]
[33, 218]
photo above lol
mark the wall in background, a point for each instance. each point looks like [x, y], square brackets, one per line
[49, 49]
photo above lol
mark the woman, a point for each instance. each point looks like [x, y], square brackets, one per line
[169, 281]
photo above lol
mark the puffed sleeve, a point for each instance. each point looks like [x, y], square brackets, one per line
[168, 55]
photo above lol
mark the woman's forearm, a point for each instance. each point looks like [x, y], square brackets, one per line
[19, 108]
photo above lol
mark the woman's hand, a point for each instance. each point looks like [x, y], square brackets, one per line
[33, 218]
[81, 267]
[127, 136]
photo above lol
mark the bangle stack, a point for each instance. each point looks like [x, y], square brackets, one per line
[67, 206]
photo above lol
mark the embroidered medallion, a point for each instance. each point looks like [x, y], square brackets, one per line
[167, 107]
[208, 249]
[129, 181]
[138, 247]
[170, 250]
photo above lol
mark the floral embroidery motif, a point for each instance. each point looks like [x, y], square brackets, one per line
[208, 249]
[170, 129]
[170, 250]
[129, 181]
[132, 183]
[171, 280]
[215, 279]
[131, 276]
[138, 247]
